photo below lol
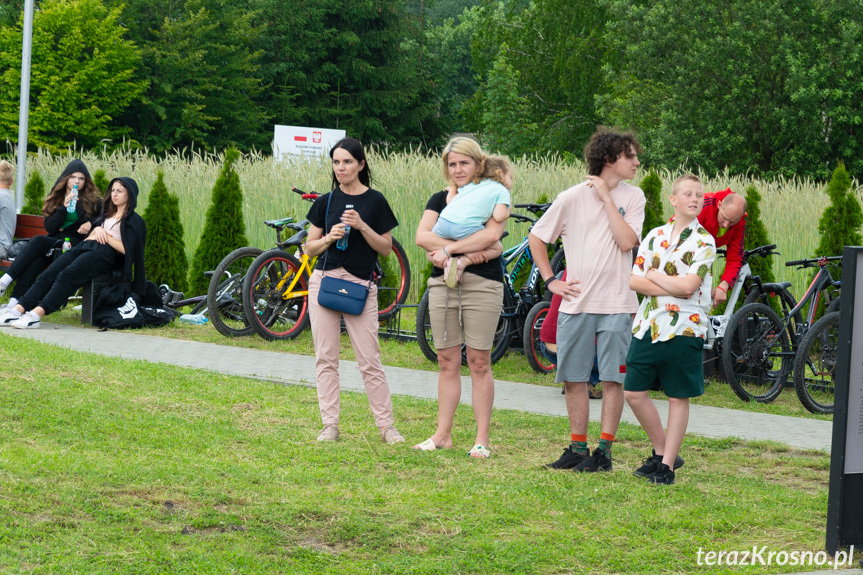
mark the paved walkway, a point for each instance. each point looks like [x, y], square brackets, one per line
[300, 370]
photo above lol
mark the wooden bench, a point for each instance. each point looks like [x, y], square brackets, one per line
[26, 227]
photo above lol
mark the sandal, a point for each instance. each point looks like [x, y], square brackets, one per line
[427, 445]
[479, 452]
[450, 273]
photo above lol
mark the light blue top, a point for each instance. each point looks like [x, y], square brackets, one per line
[474, 203]
[7, 221]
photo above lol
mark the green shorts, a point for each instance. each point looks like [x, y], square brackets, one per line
[676, 364]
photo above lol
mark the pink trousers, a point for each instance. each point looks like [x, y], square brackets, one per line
[363, 332]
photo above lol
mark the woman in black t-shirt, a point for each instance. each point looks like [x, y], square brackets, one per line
[350, 226]
[469, 312]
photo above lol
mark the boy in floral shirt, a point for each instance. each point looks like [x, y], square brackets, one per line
[672, 271]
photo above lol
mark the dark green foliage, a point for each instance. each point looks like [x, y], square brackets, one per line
[224, 229]
[840, 223]
[556, 51]
[101, 181]
[424, 277]
[34, 195]
[651, 185]
[769, 87]
[81, 79]
[165, 253]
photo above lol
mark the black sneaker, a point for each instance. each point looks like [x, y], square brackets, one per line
[663, 476]
[599, 461]
[650, 465]
[568, 460]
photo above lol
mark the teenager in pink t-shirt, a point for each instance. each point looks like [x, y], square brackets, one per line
[599, 222]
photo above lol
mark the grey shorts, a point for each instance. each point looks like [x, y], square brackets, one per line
[582, 336]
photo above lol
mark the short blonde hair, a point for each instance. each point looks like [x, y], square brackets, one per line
[7, 172]
[466, 146]
[684, 178]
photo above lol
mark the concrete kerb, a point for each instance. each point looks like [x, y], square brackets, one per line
[294, 369]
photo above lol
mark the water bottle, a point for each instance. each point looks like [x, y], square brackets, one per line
[67, 245]
[73, 203]
[342, 244]
[194, 318]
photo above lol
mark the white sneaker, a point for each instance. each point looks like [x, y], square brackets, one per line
[330, 432]
[391, 435]
[8, 316]
[28, 320]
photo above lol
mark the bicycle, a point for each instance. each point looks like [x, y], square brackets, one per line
[516, 304]
[275, 289]
[225, 291]
[759, 347]
[755, 291]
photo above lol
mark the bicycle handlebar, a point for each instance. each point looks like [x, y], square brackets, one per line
[761, 251]
[523, 218]
[533, 208]
[814, 261]
[312, 196]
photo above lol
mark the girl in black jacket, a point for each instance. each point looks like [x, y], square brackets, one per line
[60, 224]
[119, 233]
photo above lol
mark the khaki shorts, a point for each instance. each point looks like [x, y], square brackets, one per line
[481, 301]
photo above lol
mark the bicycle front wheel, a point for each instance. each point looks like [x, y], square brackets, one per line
[225, 293]
[815, 365]
[755, 353]
[393, 278]
[532, 343]
[272, 315]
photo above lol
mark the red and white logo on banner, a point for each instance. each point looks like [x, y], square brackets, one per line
[316, 137]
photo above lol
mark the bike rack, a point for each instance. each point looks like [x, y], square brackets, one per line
[392, 328]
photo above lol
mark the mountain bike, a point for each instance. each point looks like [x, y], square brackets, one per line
[275, 289]
[759, 347]
[755, 291]
[225, 292]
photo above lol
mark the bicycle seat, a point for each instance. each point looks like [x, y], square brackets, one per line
[279, 223]
[296, 239]
[299, 226]
[775, 287]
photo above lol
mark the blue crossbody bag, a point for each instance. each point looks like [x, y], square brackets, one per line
[338, 294]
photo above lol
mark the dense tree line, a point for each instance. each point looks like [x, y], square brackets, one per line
[770, 87]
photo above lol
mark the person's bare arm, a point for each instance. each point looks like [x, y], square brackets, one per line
[677, 286]
[624, 236]
[539, 251]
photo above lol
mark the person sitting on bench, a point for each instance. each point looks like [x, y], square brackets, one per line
[120, 231]
[60, 224]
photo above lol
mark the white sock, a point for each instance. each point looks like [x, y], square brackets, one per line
[13, 301]
[5, 281]
[34, 315]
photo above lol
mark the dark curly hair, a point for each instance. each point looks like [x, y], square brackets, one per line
[606, 146]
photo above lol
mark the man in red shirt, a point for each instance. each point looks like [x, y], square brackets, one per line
[724, 216]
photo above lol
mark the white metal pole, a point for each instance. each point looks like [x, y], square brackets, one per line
[24, 111]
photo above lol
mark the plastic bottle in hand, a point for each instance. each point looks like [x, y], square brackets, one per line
[342, 244]
[73, 203]
[67, 245]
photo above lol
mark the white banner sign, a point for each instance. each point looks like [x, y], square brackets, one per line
[294, 141]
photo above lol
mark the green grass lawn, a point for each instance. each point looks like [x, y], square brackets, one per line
[114, 466]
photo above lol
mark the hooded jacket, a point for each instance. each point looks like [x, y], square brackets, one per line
[134, 232]
[55, 220]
